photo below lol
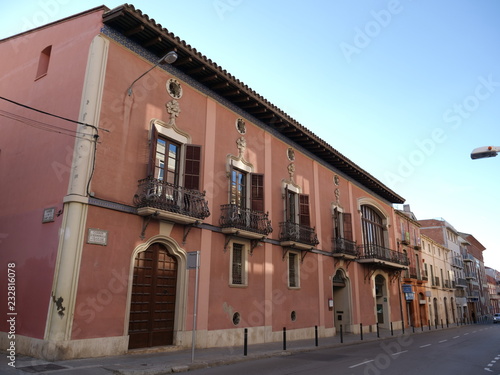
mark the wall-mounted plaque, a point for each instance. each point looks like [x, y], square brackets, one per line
[97, 237]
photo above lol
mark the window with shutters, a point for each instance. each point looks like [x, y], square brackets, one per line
[244, 213]
[297, 224]
[343, 239]
[173, 160]
[173, 177]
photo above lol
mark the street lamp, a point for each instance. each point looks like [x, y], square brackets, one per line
[484, 152]
[169, 58]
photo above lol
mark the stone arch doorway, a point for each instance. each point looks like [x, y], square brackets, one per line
[422, 311]
[446, 315]
[381, 302]
[453, 306]
[153, 298]
[341, 301]
[436, 312]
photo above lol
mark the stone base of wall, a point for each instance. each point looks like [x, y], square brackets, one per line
[110, 346]
[61, 350]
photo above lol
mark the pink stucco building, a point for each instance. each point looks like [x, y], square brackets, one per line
[101, 215]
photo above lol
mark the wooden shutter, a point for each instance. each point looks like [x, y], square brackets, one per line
[257, 192]
[304, 210]
[347, 219]
[193, 167]
[152, 151]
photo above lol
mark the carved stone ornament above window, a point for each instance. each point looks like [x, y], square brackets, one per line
[290, 153]
[241, 143]
[241, 126]
[173, 109]
[291, 170]
[336, 180]
[174, 88]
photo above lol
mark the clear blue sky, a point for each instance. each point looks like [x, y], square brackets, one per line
[404, 88]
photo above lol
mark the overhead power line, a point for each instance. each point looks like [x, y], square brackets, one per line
[51, 114]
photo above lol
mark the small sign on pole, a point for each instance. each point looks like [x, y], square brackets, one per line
[193, 263]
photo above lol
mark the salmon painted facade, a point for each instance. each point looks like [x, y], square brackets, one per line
[153, 169]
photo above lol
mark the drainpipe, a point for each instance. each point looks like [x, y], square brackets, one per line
[72, 234]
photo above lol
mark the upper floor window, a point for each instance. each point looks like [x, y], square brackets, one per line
[43, 62]
[167, 161]
[297, 208]
[342, 225]
[174, 161]
[238, 188]
[373, 227]
[246, 190]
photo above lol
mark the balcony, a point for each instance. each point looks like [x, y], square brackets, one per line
[170, 202]
[244, 222]
[436, 281]
[457, 262]
[468, 258]
[461, 283]
[297, 236]
[376, 254]
[343, 248]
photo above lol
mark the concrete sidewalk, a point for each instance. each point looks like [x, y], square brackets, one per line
[168, 360]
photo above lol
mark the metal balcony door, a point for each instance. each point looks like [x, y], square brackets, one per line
[152, 310]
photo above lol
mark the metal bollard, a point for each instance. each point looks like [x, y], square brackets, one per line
[284, 338]
[392, 331]
[361, 330]
[245, 342]
[341, 335]
[316, 335]
[378, 331]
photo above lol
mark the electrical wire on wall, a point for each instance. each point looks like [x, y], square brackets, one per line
[56, 129]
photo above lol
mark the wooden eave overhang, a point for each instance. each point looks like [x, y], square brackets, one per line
[144, 31]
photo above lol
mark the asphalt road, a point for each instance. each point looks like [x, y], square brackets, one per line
[470, 350]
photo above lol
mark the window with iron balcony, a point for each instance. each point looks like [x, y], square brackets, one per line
[171, 189]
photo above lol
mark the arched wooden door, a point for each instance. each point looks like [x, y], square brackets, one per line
[152, 309]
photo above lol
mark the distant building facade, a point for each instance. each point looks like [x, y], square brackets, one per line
[466, 271]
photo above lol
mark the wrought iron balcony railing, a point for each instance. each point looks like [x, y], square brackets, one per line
[161, 195]
[341, 246]
[233, 216]
[373, 251]
[298, 233]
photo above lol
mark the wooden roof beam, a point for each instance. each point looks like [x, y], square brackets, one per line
[133, 31]
[152, 41]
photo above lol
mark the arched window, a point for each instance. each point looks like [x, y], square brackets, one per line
[373, 226]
